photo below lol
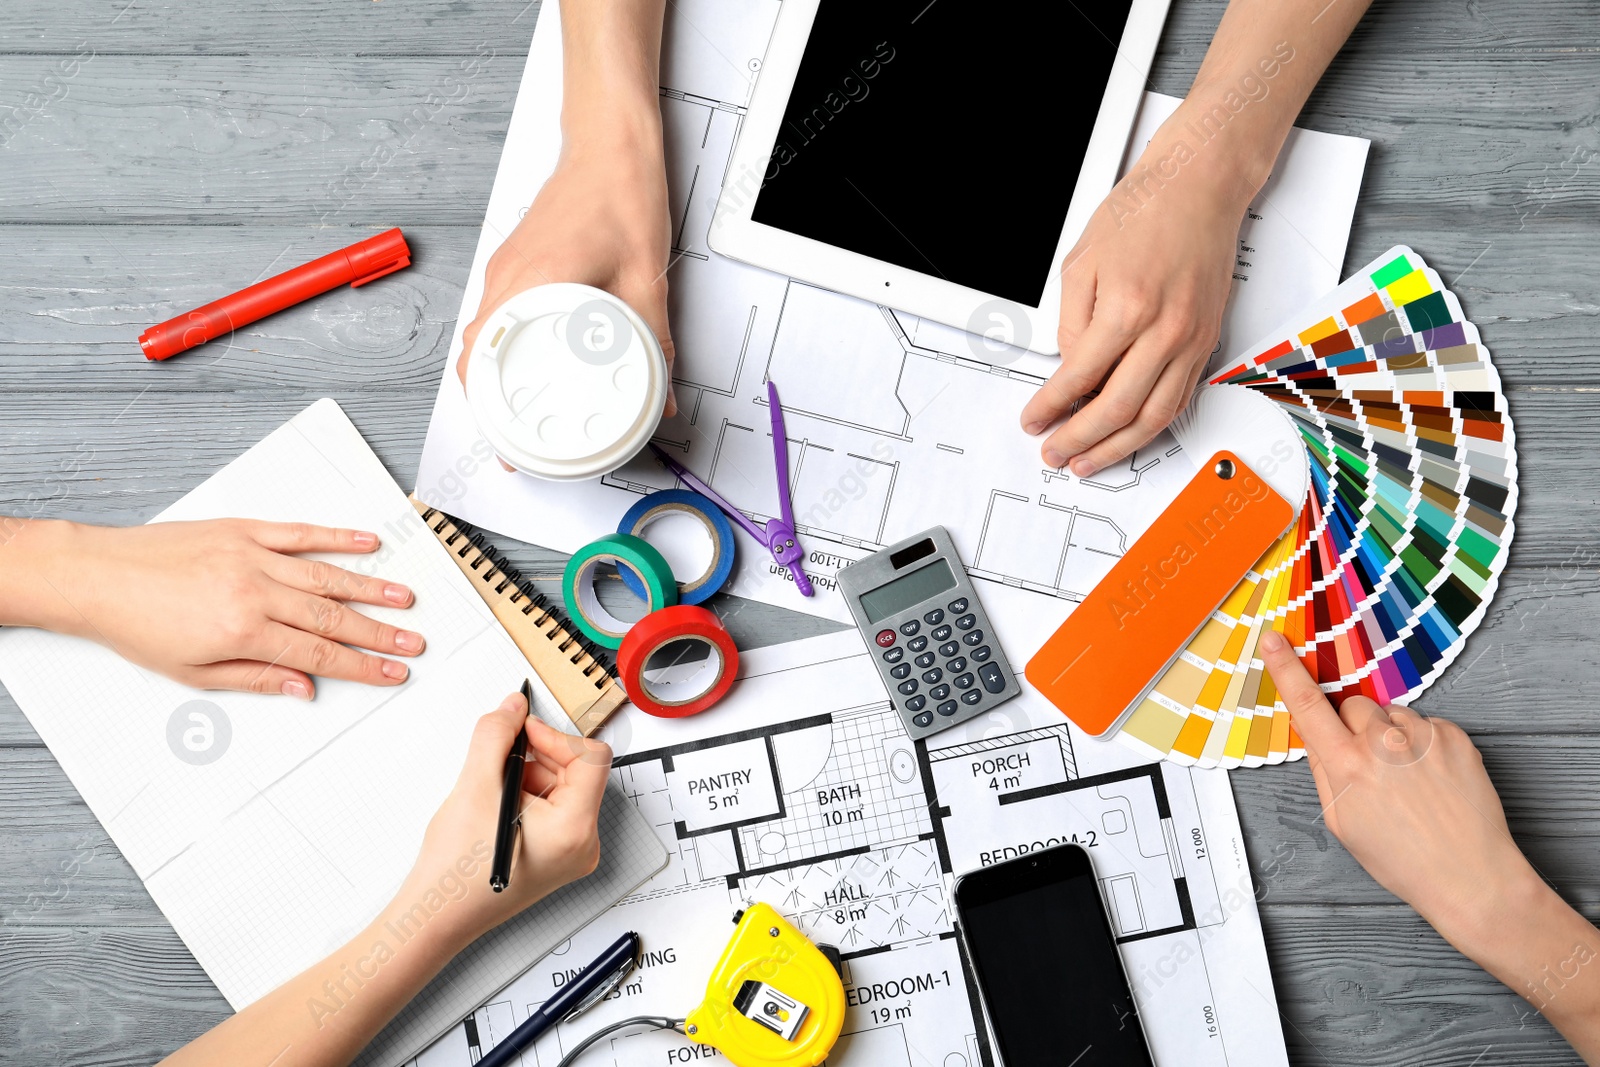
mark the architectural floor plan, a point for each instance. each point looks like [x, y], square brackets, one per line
[803, 791]
[896, 423]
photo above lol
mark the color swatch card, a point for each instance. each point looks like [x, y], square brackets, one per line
[1403, 535]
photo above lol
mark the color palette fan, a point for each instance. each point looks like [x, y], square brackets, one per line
[1403, 535]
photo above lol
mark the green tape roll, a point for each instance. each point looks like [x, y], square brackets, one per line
[623, 550]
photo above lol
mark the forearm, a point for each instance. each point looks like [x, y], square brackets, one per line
[32, 577]
[1524, 934]
[611, 64]
[1264, 61]
[326, 1015]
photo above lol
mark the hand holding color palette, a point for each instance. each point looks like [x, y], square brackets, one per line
[1404, 532]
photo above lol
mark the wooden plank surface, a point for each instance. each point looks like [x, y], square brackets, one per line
[196, 147]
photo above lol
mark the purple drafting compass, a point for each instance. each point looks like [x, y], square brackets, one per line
[778, 534]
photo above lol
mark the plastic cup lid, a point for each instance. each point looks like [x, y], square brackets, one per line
[566, 381]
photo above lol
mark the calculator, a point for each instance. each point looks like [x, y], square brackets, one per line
[928, 634]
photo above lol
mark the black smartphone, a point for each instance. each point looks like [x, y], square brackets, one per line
[1036, 932]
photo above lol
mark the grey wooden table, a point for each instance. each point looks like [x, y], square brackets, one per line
[154, 153]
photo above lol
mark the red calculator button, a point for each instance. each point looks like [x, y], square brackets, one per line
[885, 638]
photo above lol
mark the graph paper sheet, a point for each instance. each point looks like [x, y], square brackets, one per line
[271, 831]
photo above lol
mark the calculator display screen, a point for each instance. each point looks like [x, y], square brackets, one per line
[907, 590]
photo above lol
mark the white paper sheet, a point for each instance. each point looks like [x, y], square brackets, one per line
[895, 423]
[270, 831]
[857, 836]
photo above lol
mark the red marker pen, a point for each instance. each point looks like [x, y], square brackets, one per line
[357, 265]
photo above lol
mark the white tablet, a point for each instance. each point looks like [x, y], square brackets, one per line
[938, 156]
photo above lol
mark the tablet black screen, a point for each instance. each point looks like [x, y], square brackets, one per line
[943, 137]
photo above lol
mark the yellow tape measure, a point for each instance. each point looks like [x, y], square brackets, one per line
[774, 999]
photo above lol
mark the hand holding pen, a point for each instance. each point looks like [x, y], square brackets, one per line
[563, 780]
[445, 902]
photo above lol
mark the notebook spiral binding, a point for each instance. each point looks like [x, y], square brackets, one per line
[522, 590]
[577, 671]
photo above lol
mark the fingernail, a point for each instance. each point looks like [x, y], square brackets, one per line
[1052, 458]
[294, 687]
[397, 594]
[1272, 641]
[407, 641]
[512, 702]
[363, 539]
[1082, 468]
[394, 670]
[1032, 429]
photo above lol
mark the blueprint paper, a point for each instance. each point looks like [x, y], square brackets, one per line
[895, 423]
[279, 830]
[802, 789]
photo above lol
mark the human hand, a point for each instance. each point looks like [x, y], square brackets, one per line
[225, 603]
[601, 220]
[1142, 294]
[563, 782]
[1408, 796]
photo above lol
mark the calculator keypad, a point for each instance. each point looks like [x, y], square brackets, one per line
[940, 663]
[970, 686]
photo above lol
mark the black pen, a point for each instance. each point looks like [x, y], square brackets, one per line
[592, 985]
[505, 831]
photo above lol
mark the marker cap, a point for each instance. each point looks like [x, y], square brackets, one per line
[567, 382]
[376, 256]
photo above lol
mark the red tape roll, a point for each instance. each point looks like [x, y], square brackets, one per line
[694, 694]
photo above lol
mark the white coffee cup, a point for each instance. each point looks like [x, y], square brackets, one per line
[567, 382]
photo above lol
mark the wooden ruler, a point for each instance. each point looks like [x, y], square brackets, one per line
[573, 668]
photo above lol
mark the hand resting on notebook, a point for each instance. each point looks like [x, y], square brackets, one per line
[1408, 796]
[325, 1015]
[221, 604]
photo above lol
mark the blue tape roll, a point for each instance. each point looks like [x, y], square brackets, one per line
[718, 528]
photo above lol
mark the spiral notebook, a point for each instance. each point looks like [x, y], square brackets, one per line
[271, 831]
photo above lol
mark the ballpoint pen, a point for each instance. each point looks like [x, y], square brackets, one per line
[777, 536]
[592, 984]
[505, 833]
